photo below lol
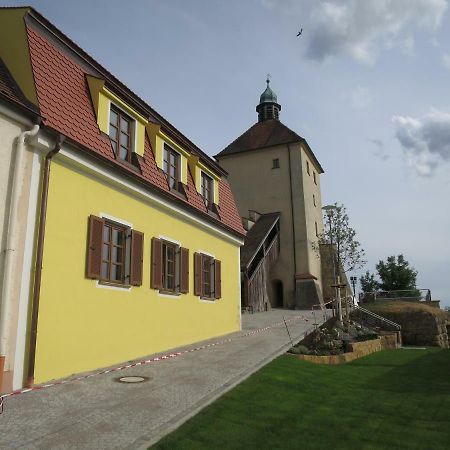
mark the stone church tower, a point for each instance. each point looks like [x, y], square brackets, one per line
[273, 170]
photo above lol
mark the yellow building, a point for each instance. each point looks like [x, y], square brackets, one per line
[135, 224]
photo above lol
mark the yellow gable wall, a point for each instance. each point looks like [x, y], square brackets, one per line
[102, 99]
[15, 53]
[83, 327]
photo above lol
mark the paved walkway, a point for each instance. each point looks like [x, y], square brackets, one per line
[100, 413]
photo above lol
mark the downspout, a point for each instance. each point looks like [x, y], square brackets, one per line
[292, 215]
[38, 267]
[11, 245]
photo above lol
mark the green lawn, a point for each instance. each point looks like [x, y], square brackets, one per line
[398, 399]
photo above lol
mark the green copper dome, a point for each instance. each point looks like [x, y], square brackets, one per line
[268, 107]
[268, 96]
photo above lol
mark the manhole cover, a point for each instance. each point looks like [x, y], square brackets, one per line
[132, 379]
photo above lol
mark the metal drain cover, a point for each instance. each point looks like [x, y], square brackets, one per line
[132, 379]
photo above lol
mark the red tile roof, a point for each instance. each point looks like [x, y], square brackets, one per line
[65, 103]
[267, 133]
[11, 92]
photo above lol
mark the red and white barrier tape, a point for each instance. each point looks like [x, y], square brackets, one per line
[146, 361]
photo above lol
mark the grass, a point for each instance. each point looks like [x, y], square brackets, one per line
[394, 399]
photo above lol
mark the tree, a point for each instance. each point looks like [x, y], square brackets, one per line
[396, 274]
[368, 283]
[345, 249]
[339, 233]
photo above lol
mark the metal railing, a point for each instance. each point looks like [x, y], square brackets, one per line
[371, 318]
[421, 295]
[321, 308]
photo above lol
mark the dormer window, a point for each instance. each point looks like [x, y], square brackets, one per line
[120, 133]
[171, 166]
[207, 191]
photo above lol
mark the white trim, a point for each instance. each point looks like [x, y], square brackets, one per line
[240, 289]
[135, 136]
[183, 163]
[183, 159]
[13, 115]
[174, 296]
[213, 185]
[213, 300]
[206, 253]
[109, 114]
[133, 124]
[100, 285]
[116, 219]
[168, 239]
[25, 287]
[137, 190]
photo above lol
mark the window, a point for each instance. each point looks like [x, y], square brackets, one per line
[170, 267]
[314, 200]
[307, 167]
[120, 130]
[170, 279]
[171, 166]
[207, 189]
[314, 176]
[115, 252]
[207, 276]
[275, 163]
[317, 230]
[207, 271]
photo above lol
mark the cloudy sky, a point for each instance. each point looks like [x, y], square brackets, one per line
[367, 84]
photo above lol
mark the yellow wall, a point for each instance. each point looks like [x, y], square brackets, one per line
[14, 49]
[82, 327]
[102, 98]
[197, 168]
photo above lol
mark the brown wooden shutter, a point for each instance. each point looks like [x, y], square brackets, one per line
[156, 277]
[198, 274]
[94, 251]
[137, 257]
[217, 279]
[184, 270]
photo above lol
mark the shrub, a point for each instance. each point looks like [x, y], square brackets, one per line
[299, 350]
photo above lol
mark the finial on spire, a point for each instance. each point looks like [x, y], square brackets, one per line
[268, 107]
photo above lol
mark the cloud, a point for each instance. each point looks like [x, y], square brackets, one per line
[379, 151]
[426, 141]
[446, 60]
[361, 29]
[360, 97]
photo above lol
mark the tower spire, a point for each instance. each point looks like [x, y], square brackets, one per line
[268, 107]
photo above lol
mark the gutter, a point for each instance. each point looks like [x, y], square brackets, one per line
[11, 244]
[153, 187]
[39, 256]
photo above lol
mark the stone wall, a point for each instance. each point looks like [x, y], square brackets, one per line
[357, 350]
[421, 324]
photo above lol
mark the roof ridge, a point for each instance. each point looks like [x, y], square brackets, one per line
[242, 134]
[266, 137]
[122, 86]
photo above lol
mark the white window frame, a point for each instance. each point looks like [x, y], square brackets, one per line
[117, 287]
[133, 122]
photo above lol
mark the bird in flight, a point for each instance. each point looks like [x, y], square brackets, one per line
[300, 32]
